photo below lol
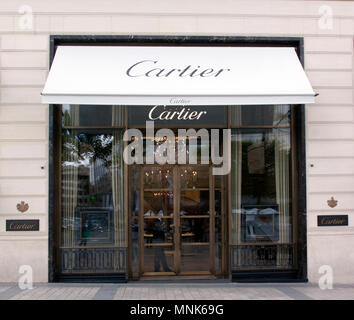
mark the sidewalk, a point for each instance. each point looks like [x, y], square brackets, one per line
[176, 291]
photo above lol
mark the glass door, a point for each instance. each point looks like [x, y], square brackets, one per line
[195, 219]
[180, 219]
[157, 217]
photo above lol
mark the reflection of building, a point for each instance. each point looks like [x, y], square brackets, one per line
[99, 186]
[92, 184]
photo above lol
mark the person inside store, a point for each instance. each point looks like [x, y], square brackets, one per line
[158, 232]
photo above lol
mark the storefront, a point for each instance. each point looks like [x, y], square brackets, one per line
[72, 210]
[215, 183]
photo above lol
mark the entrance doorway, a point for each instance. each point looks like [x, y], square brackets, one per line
[178, 223]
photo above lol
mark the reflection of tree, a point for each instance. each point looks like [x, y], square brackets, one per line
[86, 148]
[96, 147]
[87, 161]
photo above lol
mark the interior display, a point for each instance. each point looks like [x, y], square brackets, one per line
[149, 213]
[95, 226]
[260, 223]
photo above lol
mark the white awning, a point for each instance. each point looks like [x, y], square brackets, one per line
[141, 75]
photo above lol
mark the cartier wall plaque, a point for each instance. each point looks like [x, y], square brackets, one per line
[331, 221]
[22, 225]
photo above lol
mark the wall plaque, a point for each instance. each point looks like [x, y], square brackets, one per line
[22, 225]
[331, 221]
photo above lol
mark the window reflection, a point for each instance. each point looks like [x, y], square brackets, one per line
[87, 168]
[260, 115]
[92, 115]
[260, 195]
[92, 199]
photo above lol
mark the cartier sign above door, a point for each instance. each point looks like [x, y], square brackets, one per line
[178, 115]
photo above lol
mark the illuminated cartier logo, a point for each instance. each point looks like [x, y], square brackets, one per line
[183, 114]
[150, 68]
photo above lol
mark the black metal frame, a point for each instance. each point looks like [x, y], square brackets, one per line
[299, 128]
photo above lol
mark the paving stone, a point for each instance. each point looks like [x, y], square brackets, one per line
[106, 293]
[2, 289]
[341, 293]
[180, 291]
[7, 293]
[294, 294]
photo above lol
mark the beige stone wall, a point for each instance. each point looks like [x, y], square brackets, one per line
[24, 121]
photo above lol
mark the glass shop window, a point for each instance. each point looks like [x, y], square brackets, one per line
[92, 115]
[92, 189]
[261, 216]
[257, 115]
